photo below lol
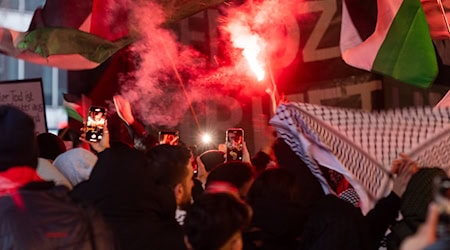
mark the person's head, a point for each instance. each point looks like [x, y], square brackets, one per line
[76, 164]
[261, 161]
[171, 166]
[285, 156]
[239, 174]
[274, 184]
[50, 146]
[216, 221]
[70, 137]
[18, 145]
[207, 161]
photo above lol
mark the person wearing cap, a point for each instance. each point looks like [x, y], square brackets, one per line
[206, 162]
[36, 214]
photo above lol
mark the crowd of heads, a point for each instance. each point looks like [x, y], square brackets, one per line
[266, 202]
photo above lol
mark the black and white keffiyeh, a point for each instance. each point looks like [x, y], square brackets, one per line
[362, 145]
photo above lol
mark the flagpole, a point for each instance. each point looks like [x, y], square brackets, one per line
[274, 96]
[274, 93]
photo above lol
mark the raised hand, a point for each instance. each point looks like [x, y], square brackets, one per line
[123, 109]
[403, 169]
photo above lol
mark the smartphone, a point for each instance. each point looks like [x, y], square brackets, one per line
[234, 141]
[95, 124]
[169, 137]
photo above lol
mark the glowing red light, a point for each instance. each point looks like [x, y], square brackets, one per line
[251, 43]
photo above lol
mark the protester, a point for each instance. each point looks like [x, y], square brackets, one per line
[171, 169]
[334, 223]
[233, 177]
[76, 164]
[50, 146]
[262, 161]
[140, 213]
[287, 159]
[278, 212]
[206, 162]
[47, 171]
[414, 204]
[35, 214]
[215, 222]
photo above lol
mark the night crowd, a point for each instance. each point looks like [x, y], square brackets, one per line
[61, 192]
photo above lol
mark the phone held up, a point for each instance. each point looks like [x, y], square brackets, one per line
[234, 141]
[95, 124]
[169, 137]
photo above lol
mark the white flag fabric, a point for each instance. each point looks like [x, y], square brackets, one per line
[362, 145]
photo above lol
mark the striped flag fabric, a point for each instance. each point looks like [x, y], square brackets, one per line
[361, 145]
[399, 46]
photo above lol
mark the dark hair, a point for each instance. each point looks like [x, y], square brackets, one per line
[212, 159]
[50, 146]
[18, 145]
[168, 164]
[275, 184]
[70, 134]
[236, 173]
[213, 219]
[288, 159]
[260, 161]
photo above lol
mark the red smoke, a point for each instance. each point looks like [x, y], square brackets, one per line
[155, 92]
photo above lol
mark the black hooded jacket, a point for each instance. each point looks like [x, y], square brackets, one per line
[141, 214]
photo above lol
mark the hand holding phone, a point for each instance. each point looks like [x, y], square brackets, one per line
[235, 144]
[169, 137]
[95, 124]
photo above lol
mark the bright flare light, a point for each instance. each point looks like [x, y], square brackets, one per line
[206, 138]
[251, 44]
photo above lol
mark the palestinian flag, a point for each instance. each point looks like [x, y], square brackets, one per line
[69, 34]
[76, 108]
[400, 45]
[77, 35]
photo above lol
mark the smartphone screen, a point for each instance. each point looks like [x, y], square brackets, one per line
[95, 123]
[168, 137]
[235, 144]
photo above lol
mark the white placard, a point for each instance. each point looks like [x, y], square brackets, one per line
[28, 96]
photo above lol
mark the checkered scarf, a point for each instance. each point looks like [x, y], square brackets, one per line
[362, 145]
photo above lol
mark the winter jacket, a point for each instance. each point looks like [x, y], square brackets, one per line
[141, 213]
[40, 215]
